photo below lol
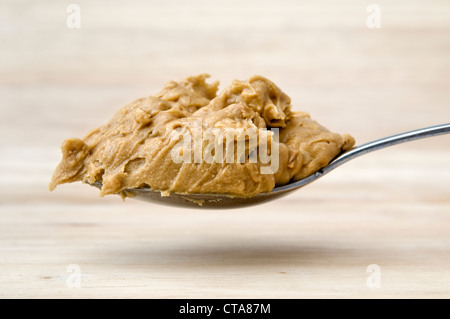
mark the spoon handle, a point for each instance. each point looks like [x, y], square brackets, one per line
[387, 141]
[364, 149]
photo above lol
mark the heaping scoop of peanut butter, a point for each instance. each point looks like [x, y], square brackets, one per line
[188, 139]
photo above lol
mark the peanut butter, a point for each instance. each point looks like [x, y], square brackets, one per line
[136, 148]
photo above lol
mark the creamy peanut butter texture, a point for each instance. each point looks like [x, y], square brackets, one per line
[135, 148]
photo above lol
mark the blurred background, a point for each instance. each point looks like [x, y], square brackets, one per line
[390, 208]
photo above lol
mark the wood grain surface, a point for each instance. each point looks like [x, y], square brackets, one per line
[390, 208]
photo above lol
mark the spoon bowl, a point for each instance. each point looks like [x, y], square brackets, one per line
[222, 201]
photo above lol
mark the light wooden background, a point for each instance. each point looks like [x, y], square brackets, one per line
[390, 208]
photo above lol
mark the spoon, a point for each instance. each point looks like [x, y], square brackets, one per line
[221, 201]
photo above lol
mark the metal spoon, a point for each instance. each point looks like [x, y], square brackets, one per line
[220, 201]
